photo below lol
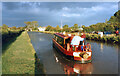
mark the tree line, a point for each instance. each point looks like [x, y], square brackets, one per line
[65, 28]
[31, 25]
[110, 25]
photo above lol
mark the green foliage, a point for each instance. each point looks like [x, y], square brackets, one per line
[83, 26]
[67, 29]
[111, 25]
[5, 27]
[109, 39]
[20, 58]
[35, 29]
[28, 24]
[65, 26]
[53, 29]
[48, 28]
[75, 27]
[35, 24]
[115, 18]
[57, 28]
[31, 25]
[112, 19]
[10, 32]
[13, 28]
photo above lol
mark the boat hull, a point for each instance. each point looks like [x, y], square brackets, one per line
[70, 54]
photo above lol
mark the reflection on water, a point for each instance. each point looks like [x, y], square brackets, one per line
[101, 47]
[71, 67]
[41, 39]
[104, 57]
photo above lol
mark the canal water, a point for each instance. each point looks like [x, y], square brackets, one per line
[104, 57]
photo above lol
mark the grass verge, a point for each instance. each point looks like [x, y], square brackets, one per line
[112, 38]
[20, 57]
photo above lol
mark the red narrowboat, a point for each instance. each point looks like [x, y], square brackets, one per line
[71, 67]
[81, 52]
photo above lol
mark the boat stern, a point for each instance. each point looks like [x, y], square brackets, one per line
[82, 57]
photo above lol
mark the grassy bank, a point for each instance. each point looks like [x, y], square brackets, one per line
[109, 39]
[20, 57]
[9, 34]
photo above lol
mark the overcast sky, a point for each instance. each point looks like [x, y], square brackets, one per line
[51, 13]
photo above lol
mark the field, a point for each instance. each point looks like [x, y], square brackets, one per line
[19, 57]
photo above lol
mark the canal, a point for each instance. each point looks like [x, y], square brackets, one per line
[104, 57]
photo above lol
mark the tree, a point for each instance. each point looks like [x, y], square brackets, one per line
[75, 27]
[110, 25]
[67, 29]
[20, 28]
[35, 24]
[57, 27]
[53, 29]
[109, 28]
[115, 18]
[83, 26]
[48, 28]
[28, 24]
[5, 27]
[13, 28]
[65, 26]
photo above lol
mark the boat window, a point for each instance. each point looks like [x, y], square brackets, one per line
[60, 41]
[55, 37]
[67, 41]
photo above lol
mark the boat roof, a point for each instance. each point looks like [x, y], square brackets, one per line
[61, 35]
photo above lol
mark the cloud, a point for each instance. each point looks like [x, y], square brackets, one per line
[119, 5]
[49, 13]
[0, 14]
[71, 15]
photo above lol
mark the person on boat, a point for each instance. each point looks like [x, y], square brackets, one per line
[117, 32]
[76, 41]
[83, 41]
[83, 36]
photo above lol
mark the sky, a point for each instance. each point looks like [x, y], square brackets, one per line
[52, 13]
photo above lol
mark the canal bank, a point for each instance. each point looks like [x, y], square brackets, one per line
[19, 57]
[113, 39]
[104, 57]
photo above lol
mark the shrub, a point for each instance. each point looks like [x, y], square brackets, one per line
[110, 39]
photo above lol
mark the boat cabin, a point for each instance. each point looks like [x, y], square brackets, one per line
[73, 47]
[65, 42]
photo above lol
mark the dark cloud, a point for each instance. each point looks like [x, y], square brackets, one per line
[11, 5]
[49, 13]
[119, 5]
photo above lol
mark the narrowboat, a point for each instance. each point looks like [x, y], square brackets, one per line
[71, 67]
[63, 43]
